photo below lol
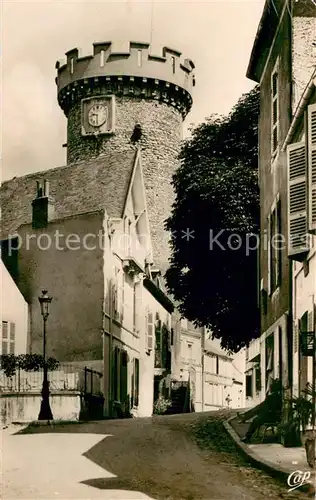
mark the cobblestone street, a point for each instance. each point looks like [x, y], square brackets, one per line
[180, 457]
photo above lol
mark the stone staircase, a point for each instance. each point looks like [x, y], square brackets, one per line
[180, 400]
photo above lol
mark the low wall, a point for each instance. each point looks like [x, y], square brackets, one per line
[25, 407]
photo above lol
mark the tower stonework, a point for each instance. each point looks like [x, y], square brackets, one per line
[107, 94]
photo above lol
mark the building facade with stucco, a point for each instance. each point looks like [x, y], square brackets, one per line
[283, 62]
[92, 232]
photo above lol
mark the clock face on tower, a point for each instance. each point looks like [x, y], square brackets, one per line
[97, 115]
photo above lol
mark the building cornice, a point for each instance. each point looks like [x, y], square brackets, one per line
[300, 109]
[159, 295]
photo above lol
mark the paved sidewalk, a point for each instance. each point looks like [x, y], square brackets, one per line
[288, 458]
[273, 457]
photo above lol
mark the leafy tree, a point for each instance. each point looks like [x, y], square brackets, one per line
[212, 275]
[9, 363]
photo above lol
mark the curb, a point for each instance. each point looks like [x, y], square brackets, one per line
[280, 473]
[39, 423]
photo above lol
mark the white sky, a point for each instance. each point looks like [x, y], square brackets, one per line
[217, 36]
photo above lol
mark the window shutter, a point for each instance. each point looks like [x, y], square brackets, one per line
[149, 331]
[298, 243]
[269, 255]
[311, 162]
[296, 337]
[136, 380]
[310, 321]
[4, 330]
[114, 299]
[12, 338]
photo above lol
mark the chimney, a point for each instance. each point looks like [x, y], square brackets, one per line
[42, 206]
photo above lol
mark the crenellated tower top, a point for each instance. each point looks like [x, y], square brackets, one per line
[130, 69]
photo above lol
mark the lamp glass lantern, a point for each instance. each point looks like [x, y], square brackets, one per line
[45, 301]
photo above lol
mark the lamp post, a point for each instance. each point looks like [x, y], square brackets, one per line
[45, 411]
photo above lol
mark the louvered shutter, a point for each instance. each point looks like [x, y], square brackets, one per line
[298, 243]
[12, 338]
[114, 298]
[296, 337]
[149, 331]
[310, 321]
[311, 162]
[269, 255]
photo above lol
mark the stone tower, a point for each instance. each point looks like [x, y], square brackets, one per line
[123, 96]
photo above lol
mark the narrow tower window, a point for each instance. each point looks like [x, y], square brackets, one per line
[71, 66]
[139, 58]
[173, 60]
[102, 58]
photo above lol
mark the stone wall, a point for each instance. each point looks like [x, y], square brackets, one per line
[25, 407]
[303, 54]
[160, 145]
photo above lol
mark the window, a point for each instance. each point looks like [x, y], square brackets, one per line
[298, 241]
[8, 337]
[274, 112]
[139, 58]
[311, 161]
[136, 305]
[136, 382]
[280, 353]
[171, 337]
[217, 365]
[102, 58]
[248, 386]
[189, 346]
[258, 379]
[173, 61]
[71, 66]
[116, 376]
[118, 295]
[123, 376]
[149, 332]
[275, 247]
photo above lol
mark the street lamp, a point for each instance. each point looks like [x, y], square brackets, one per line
[45, 411]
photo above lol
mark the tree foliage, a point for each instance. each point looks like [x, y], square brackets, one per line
[9, 363]
[217, 191]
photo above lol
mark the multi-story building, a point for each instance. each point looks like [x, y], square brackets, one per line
[282, 60]
[301, 152]
[14, 316]
[92, 232]
[216, 377]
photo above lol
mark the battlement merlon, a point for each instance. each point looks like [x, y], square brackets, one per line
[130, 59]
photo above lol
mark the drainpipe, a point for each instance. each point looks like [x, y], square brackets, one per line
[314, 373]
[110, 353]
[203, 366]
[290, 335]
[110, 349]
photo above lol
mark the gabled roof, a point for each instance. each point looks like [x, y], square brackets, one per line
[268, 25]
[213, 346]
[101, 183]
[265, 33]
